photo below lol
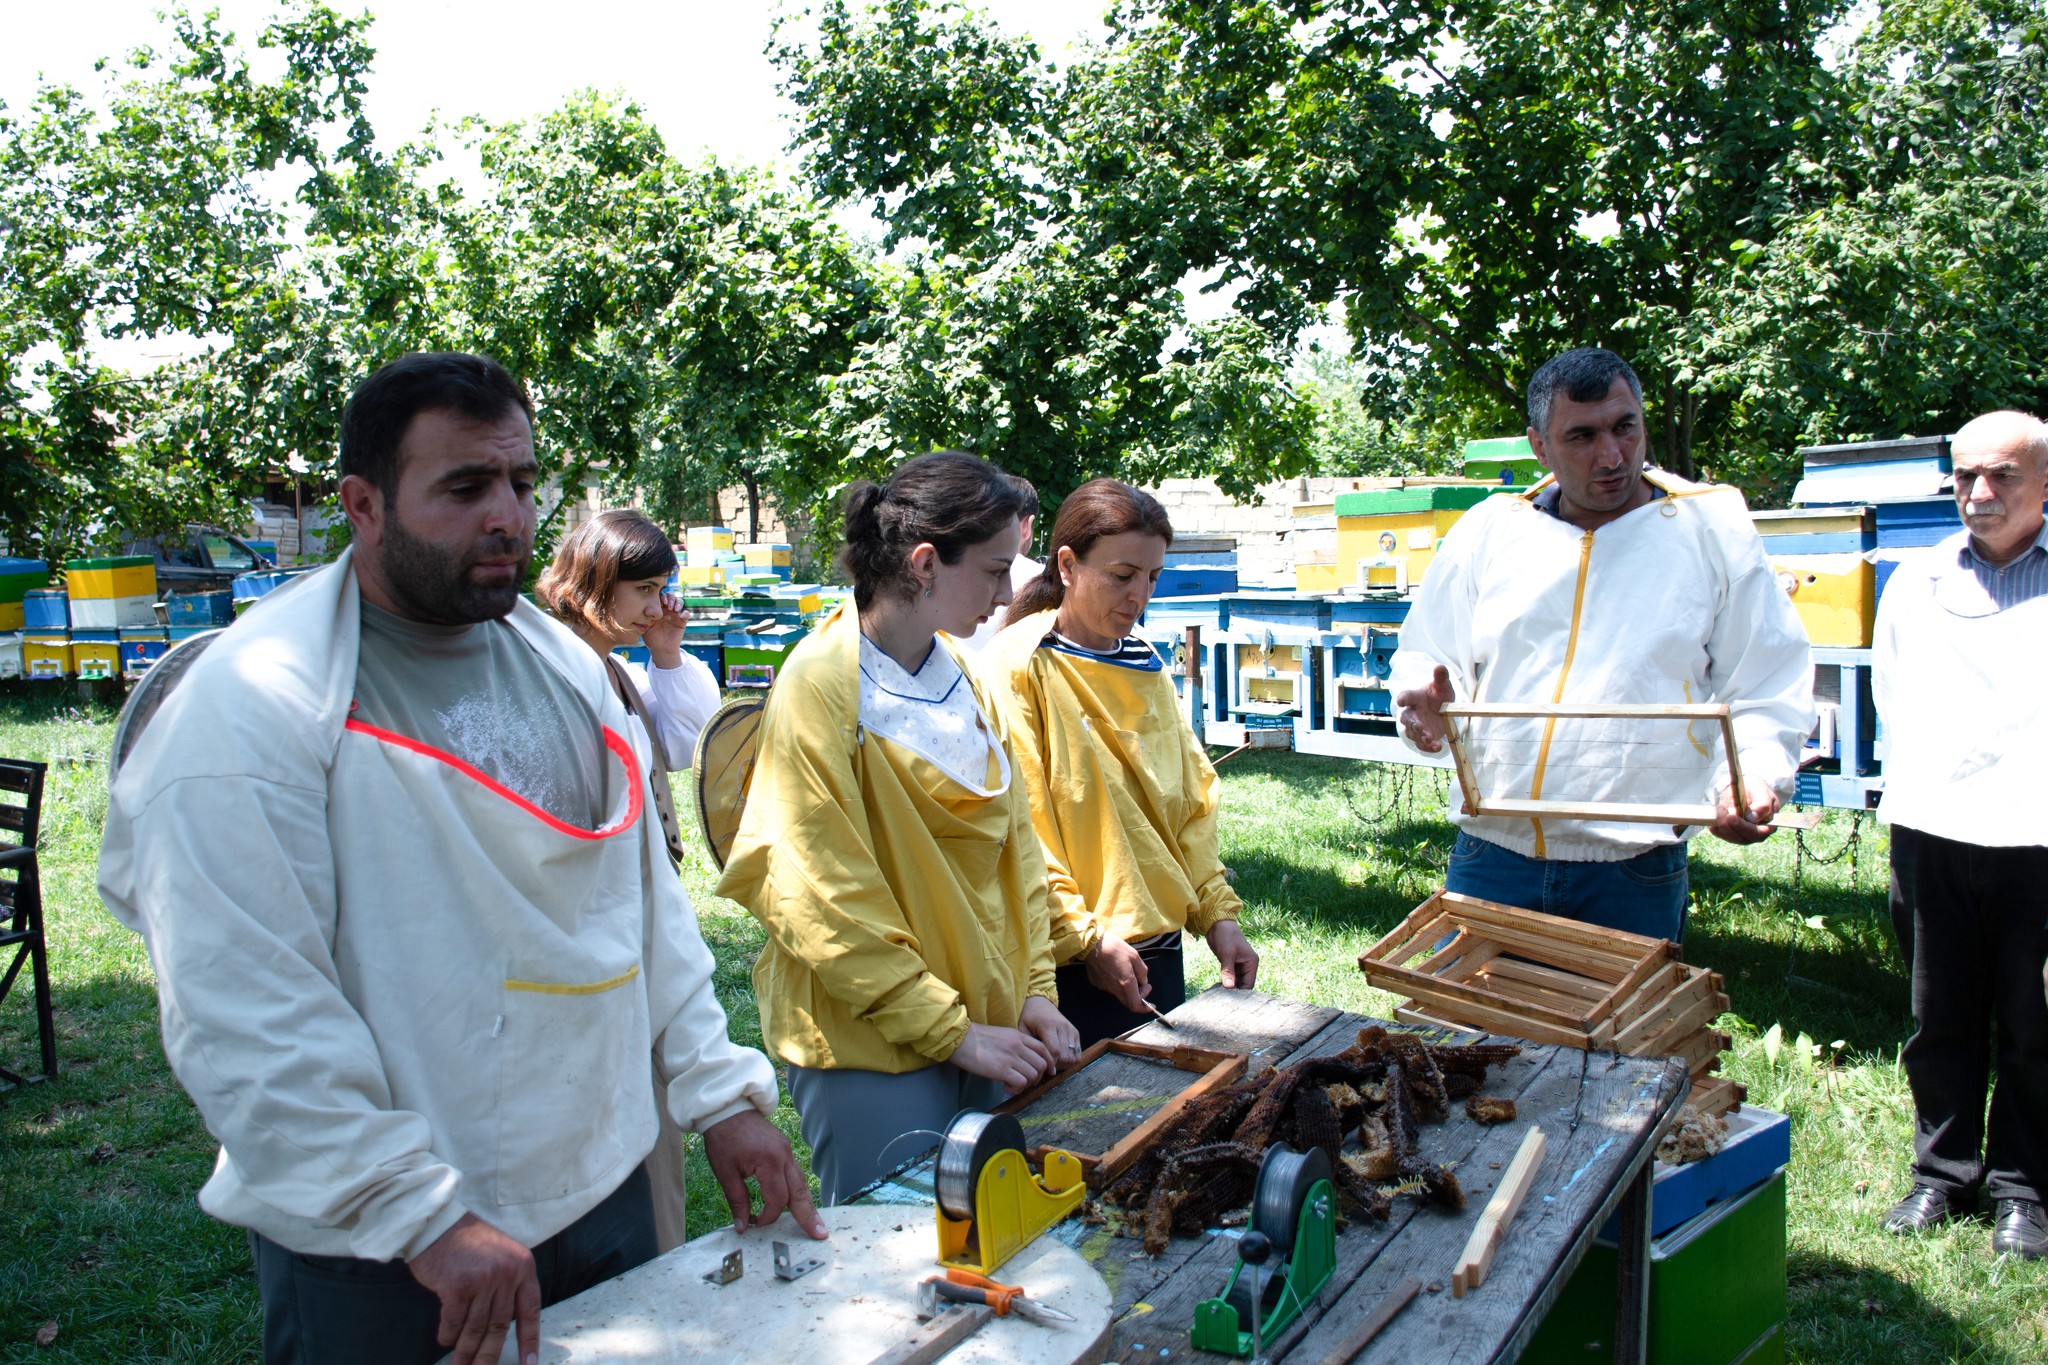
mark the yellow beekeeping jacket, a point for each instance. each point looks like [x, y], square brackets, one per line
[1123, 798]
[899, 906]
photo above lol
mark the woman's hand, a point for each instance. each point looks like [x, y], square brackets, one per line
[1117, 969]
[664, 639]
[1233, 954]
[1007, 1055]
[1042, 1020]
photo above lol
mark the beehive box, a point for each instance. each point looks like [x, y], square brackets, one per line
[1505, 970]
[46, 609]
[10, 656]
[123, 576]
[1835, 596]
[702, 545]
[1817, 530]
[46, 656]
[1399, 523]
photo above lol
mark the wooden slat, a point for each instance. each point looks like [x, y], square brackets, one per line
[1398, 980]
[1550, 977]
[1408, 930]
[1612, 942]
[1477, 1257]
[1499, 1019]
[1118, 1159]
[1590, 710]
[14, 818]
[1624, 812]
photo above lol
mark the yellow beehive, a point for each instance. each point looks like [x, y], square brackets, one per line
[700, 575]
[11, 617]
[46, 656]
[1254, 659]
[129, 576]
[1835, 596]
[96, 658]
[703, 544]
[1398, 524]
[1317, 577]
[765, 555]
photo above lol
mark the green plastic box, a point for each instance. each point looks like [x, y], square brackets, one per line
[1717, 1292]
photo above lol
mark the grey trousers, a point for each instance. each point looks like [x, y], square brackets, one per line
[864, 1124]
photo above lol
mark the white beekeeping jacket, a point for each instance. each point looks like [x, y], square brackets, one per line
[397, 991]
[1673, 602]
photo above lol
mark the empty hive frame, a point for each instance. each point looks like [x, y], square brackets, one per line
[1477, 802]
[1522, 974]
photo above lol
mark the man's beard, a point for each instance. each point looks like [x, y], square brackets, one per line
[433, 584]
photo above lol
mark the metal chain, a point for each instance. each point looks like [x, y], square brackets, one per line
[1850, 849]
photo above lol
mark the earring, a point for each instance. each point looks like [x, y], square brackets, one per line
[928, 592]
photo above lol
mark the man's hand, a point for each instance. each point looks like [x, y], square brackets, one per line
[1116, 968]
[1738, 825]
[486, 1283]
[1420, 711]
[1009, 1055]
[748, 1145]
[1042, 1020]
[1233, 954]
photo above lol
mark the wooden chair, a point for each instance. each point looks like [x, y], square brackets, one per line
[21, 899]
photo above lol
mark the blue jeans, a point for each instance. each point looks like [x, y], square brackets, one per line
[1645, 894]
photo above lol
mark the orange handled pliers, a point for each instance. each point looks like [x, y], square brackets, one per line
[965, 1286]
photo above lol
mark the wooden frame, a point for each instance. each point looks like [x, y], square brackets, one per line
[1528, 975]
[1218, 1070]
[1477, 803]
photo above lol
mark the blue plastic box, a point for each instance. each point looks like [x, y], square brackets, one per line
[709, 653]
[1920, 521]
[1759, 1144]
[635, 654]
[1349, 611]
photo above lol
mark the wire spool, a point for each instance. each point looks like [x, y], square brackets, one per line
[972, 1138]
[1285, 1179]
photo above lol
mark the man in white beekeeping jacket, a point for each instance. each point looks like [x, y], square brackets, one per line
[417, 942]
[1605, 584]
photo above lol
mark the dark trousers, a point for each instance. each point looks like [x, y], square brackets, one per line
[1973, 924]
[335, 1310]
[1098, 1014]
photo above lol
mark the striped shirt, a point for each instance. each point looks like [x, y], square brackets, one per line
[1971, 586]
[1130, 652]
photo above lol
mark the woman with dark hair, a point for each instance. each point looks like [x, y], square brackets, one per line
[908, 972]
[1123, 798]
[607, 584]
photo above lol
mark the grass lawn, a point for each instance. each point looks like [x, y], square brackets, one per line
[99, 1233]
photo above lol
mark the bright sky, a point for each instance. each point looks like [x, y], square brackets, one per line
[697, 68]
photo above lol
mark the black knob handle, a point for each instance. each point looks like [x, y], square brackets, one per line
[1254, 1248]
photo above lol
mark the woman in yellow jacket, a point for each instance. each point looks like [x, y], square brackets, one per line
[887, 848]
[1123, 798]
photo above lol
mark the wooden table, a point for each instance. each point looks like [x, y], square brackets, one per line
[1601, 1114]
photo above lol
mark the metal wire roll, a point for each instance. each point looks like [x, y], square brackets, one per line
[1285, 1178]
[971, 1139]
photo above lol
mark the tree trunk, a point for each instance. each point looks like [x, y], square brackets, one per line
[753, 507]
[717, 512]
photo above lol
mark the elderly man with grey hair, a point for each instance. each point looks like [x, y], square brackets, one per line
[1961, 644]
[1607, 583]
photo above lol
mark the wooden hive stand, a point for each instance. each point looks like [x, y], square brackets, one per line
[1515, 972]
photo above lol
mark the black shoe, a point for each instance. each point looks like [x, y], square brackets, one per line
[1924, 1208]
[2021, 1230]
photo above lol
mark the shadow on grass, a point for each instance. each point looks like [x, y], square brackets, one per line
[1844, 1311]
[106, 1238]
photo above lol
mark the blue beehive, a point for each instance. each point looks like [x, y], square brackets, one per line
[200, 608]
[1920, 521]
[1209, 612]
[1279, 611]
[1194, 582]
[46, 609]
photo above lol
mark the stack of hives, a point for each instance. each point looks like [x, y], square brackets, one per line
[1476, 964]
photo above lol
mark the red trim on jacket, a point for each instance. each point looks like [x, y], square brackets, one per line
[612, 741]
